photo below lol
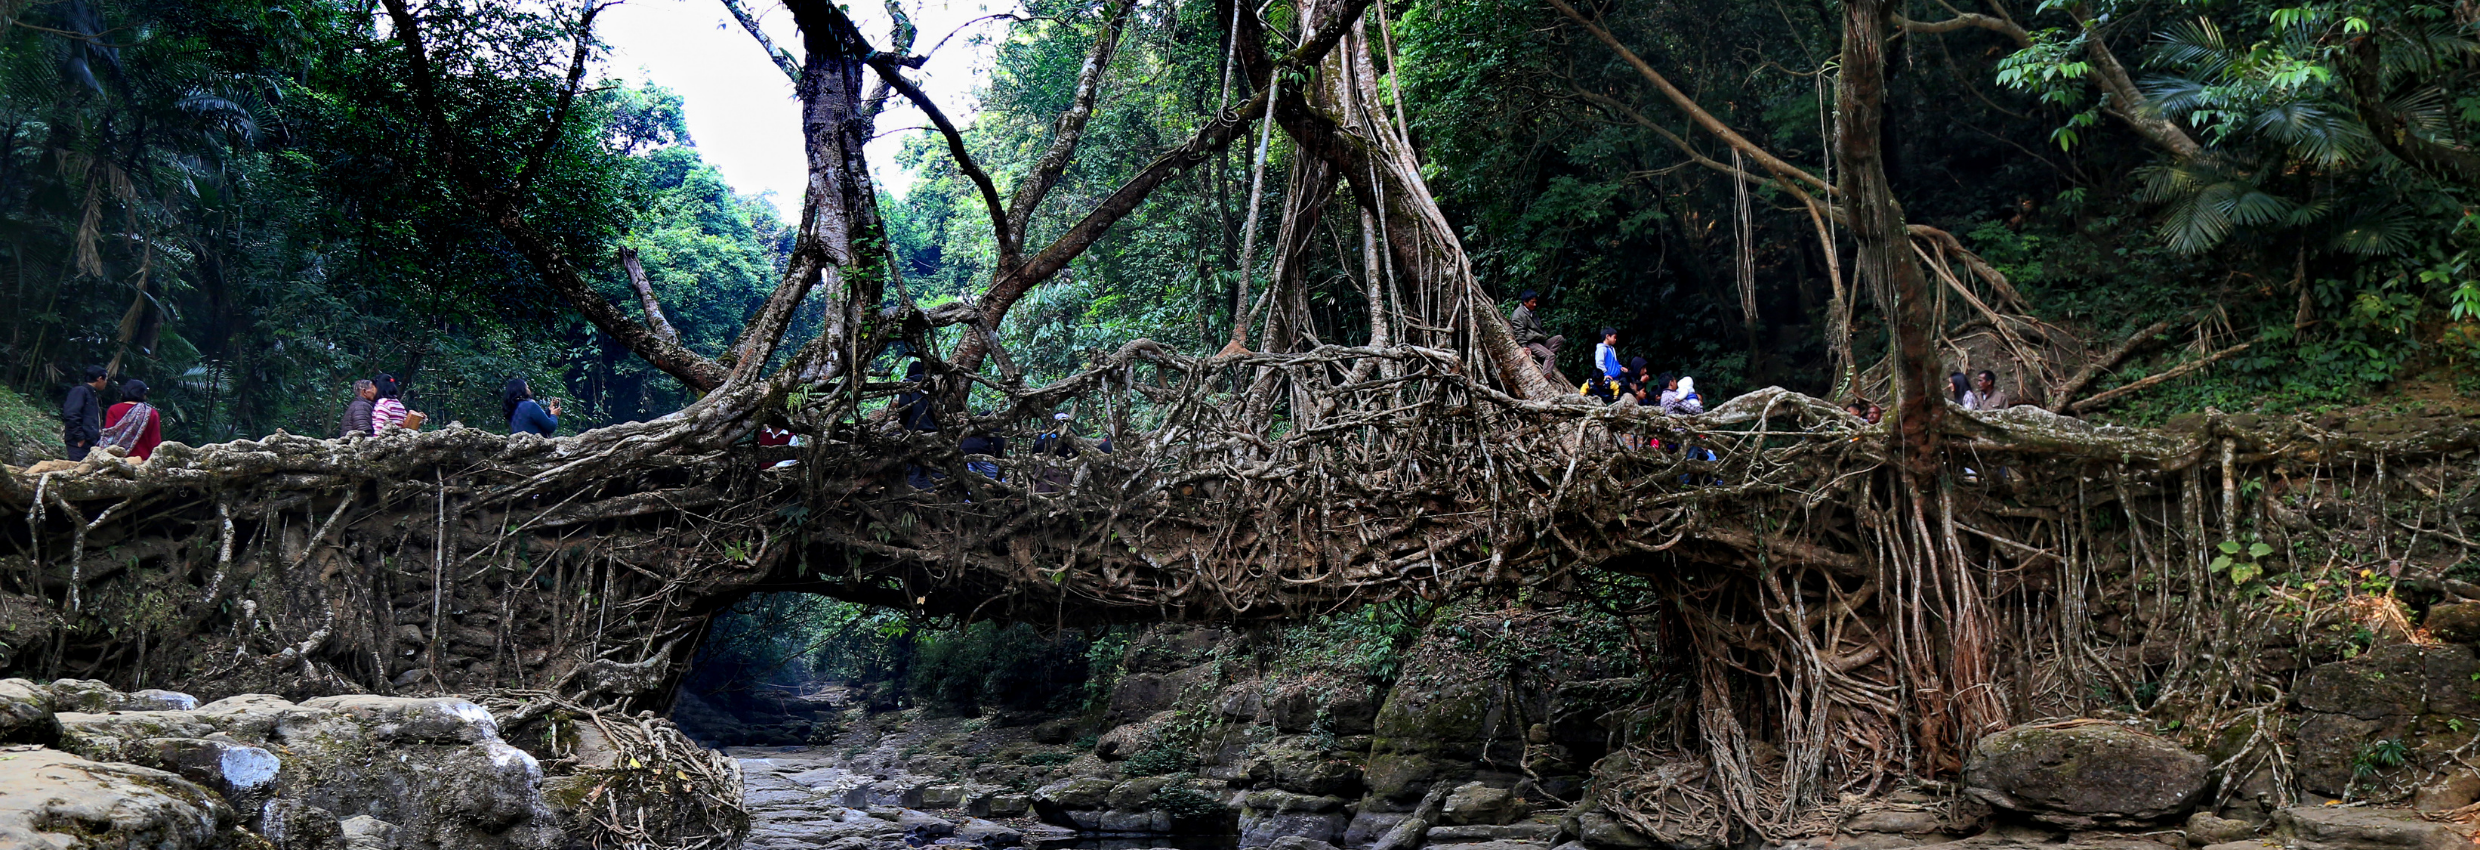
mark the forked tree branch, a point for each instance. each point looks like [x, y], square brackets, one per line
[781, 58]
[2105, 72]
[506, 213]
[2171, 374]
[1071, 124]
[655, 320]
[1001, 224]
[1011, 284]
[2109, 359]
[558, 121]
[1688, 105]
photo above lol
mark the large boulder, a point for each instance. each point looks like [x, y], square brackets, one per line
[435, 769]
[2084, 774]
[52, 800]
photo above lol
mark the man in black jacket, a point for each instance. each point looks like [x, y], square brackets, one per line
[81, 415]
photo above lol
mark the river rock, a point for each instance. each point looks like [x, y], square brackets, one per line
[1600, 831]
[2456, 790]
[986, 834]
[1540, 833]
[2352, 828]
[2206, 828]
[54, 799]
[363, 832]
[2085, 774]
[435, 768]
[26, 714]
[1267, 817]
[243, 774]
[91, 696]
[996, 805]
[1475, 803]
[294, 825]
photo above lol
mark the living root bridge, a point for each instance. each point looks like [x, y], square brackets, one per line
[1836, 614]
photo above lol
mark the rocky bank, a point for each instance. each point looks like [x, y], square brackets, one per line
[1502, 730]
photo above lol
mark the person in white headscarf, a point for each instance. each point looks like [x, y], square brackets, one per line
[1685, 402]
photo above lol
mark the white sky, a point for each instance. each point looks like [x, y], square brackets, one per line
[740, 106]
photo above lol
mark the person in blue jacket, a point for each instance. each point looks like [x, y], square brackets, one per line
[1606, 355]
[525, 415]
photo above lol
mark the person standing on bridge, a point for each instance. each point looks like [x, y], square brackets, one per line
[81, 414]
[389, 412]
[133, 424]
[1527, 326]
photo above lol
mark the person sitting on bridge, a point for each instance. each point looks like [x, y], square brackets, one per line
[1060, 442]
[516, 400]
[133, 425]
[918, 409]
[1687, 402]
[1527, 326]
[356, 421]
[1959, 389]
[983, 441]
[1985, 394]
[81, 414]
[1639, 389]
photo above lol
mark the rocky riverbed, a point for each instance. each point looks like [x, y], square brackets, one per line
[1195, 748]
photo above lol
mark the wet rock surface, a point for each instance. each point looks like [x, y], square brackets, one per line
[383, 773]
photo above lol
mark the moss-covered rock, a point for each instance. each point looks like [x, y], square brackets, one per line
[2084, 774]
[54, 799]
[26, 714]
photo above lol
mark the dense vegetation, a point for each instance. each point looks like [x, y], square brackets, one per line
[227, 199]
[240, 203]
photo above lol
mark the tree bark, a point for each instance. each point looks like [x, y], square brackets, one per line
[1884, 257]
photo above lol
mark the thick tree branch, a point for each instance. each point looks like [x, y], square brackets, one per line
[1688, 105]
[2084, 377]
[2172, 374]
[1002, 224]
[506, 214]
[1012, 284]
[781, 57]
[536, 158]
[2105, 73]
[655, 320]
[1071, 124]
[2393, 133]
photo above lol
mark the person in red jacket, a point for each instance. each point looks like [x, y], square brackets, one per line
[133, 424]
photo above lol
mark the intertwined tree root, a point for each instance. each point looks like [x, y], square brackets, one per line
[1845, 623]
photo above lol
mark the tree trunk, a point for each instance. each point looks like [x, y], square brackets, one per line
[1884, 257]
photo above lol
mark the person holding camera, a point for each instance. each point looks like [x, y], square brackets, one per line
[525, 415]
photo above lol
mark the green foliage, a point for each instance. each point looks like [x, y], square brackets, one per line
[1368, 641]
[2241, 563]
[238, 203]
[1164, 757]
[27, 431]
[2377, 756]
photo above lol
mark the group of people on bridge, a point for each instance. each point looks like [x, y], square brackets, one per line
[1613, 381]
[376, 407]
